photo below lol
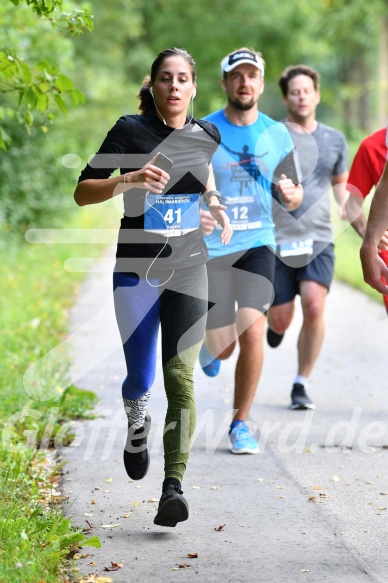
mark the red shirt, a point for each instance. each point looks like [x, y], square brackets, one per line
[368, 164]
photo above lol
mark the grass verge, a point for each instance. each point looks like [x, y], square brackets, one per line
[36, 293]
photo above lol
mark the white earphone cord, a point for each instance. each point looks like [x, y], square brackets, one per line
[155, 258]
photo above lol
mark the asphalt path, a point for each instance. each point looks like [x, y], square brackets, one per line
[311, 506]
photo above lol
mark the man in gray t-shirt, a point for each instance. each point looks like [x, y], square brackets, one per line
[304, 238]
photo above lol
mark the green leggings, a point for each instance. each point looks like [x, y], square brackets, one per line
[181, 412]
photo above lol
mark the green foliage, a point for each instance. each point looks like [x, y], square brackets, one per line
[36, 188]
[33, 88]
[322, 34]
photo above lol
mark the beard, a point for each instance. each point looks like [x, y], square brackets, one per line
[246, 106]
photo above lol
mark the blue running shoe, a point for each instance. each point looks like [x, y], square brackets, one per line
[210, 365]
[241, 439]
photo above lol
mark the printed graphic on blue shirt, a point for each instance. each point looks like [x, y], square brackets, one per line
[244, 166]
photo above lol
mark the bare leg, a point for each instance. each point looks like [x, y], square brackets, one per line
[221, 342]
[313, 296]
[250, 360]
[280, 317]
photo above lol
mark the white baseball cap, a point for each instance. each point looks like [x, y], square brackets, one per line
[239, 58]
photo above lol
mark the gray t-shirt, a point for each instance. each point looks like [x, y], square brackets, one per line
[322, 155]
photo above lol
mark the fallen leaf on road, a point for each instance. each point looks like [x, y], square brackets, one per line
[192, 555]
[383, 493]
[218, 528]
[304, 571]
[215, 487]
[336, 479]
[369, 483]
[110, 525]
[153, 500]
[136, 504]
[323, 495]
[93, 502]
[382, 508]
[109, 480]
[195, 487]
[114, 566]
[184, 566]
[126, 515]
[312, 498]
[316, 488]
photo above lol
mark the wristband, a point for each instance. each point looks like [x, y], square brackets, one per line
[206, 196]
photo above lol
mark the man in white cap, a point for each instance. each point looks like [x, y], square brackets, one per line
[248, 176]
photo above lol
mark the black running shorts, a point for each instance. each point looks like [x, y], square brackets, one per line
[318, 267]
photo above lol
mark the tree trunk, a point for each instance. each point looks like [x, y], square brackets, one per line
[364, 93]
[382, 75]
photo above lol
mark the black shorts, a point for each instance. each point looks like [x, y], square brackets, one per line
[246, 279]
[319, 268]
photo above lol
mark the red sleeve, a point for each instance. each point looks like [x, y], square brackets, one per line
[360, 181]
[368, 164]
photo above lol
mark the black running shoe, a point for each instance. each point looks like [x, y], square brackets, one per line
[173, 507]
[136, 458]
[299, 398]
[273, 338]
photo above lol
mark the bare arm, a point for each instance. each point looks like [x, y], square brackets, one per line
[339, 183]
[358, 219]
[356, 214]
[93, 191]
[372, 265]
[216, 213]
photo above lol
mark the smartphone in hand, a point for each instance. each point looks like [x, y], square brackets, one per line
[162, 162]
[290, 167]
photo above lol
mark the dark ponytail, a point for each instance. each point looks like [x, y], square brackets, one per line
[146, 101]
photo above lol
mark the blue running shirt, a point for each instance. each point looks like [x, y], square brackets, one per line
[243, 166]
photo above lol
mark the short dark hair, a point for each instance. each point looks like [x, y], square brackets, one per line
[146, 102]
[294, 70]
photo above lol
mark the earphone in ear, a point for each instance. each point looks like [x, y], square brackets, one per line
[194, 94]
[151, 91]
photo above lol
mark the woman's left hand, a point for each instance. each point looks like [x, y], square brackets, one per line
[217, 211]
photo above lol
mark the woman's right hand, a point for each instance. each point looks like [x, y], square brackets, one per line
[149, 177]
[208, 222]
